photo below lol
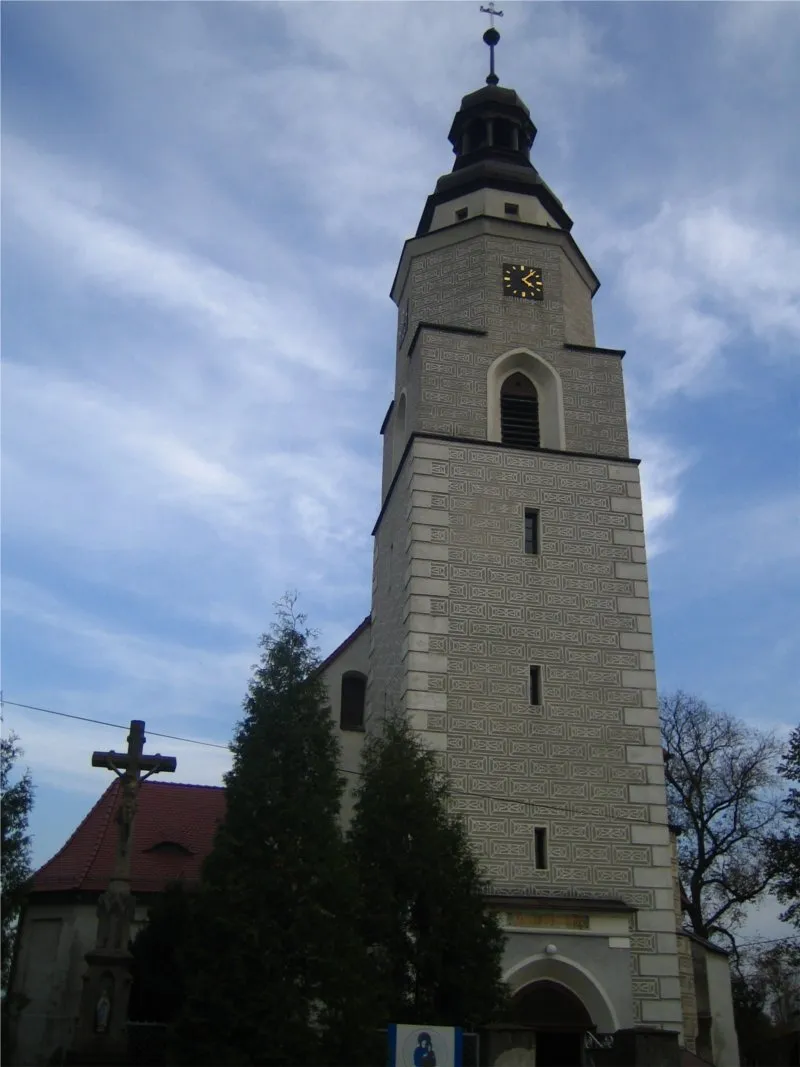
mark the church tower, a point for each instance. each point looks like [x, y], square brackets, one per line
[510, 611]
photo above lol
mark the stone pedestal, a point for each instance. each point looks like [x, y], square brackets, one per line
[102, 1036]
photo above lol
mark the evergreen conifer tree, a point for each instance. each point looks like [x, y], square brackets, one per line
[158, 973]
[274, 972]
[436, 949]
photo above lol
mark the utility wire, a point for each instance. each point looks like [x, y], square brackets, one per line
[210, 744]
[116, 725]
[532, 805]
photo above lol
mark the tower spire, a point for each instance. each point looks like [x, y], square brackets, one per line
[491, 37]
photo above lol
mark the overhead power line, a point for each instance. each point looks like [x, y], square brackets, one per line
[544, 807]
[768, 940]
[116, 725]
[566, 809]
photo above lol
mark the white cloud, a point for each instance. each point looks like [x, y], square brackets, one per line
[110, 255]
[661, 470]
[697, 277]
[148, 501]
[174, 678]
[245, 408]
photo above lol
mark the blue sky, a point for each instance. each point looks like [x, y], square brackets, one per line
[203, 209]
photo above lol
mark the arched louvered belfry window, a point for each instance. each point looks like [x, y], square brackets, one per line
[519, 412]
[354, 693]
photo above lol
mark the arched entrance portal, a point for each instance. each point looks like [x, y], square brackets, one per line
[544, 1028]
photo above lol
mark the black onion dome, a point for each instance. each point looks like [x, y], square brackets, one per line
[491, 135]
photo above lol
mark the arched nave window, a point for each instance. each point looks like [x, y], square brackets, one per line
[354, 694]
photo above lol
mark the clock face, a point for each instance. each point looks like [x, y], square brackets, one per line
[402, 323]
[524, 282]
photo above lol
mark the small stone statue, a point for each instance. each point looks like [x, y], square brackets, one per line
[125, 816]
[102, 1013]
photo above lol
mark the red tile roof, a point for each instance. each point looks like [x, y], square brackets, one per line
[183, 815]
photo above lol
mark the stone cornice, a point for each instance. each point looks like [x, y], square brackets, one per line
[468, 331]
[541, 903]
[594, 350]
[424, 435]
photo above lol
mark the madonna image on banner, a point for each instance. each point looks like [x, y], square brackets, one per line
[424, 1046]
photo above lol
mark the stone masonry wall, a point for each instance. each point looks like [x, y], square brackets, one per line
[386, 686]
[460, 284]
[477, 613]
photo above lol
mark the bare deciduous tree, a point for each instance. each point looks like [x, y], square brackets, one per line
[784, 843]
[721, 788]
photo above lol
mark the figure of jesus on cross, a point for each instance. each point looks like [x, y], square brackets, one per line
[128, 767]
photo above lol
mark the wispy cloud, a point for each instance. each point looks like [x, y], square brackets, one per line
[697, 277]
[61, 753]
[109, 255]
[662, 467]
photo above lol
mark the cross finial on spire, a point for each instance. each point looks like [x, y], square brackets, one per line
[491, 37]
[490, 11]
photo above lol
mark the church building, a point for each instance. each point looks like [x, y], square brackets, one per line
[510, 612]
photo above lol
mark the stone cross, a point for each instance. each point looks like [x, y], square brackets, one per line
[102, 1023]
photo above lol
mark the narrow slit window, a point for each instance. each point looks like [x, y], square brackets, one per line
[531, 532]
[461, 214]
[536, 685]
[540, 848]
[512, 209]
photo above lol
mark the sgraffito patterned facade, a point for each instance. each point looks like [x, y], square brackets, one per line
[469, 613]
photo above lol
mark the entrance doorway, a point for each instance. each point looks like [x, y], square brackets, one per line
[559, 1048]
[545, 1028]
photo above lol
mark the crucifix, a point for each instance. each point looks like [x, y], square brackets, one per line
[102, 1024]
[491, 37]
[127, 766]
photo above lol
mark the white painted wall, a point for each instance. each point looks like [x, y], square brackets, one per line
[724, 1042]
[492, 202]
[53, 940]
[354, 658]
